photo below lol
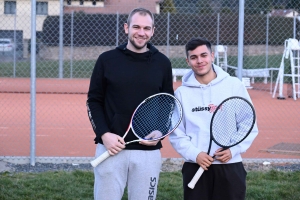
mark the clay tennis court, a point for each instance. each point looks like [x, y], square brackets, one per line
[63, 129]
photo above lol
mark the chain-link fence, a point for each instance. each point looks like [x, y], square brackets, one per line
[53, 123]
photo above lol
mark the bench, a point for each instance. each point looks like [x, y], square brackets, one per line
[250, 73]
[255, 73]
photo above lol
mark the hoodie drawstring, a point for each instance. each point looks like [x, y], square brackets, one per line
[202, 96]
[210, 93]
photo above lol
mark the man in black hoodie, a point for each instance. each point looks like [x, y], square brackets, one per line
[122, 78]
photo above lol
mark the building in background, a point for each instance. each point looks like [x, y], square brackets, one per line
[15, 20]
[110, 6]
[15, 15]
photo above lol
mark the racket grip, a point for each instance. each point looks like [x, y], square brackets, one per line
[196, 178]
[100, 159]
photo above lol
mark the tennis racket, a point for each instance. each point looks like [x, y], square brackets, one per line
[231, 123]
[153, 119]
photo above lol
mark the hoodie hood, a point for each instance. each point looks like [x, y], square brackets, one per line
[148, 55]
[189, 80]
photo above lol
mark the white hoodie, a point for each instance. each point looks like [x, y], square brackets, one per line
[193, 134]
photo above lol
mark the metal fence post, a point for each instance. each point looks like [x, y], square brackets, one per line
[71, 45]
[33, 83]
[61, 45]
[241, 39]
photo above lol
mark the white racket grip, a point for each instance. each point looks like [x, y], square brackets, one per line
[196, 178]
[100, 159]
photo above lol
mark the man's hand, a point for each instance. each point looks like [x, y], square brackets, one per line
[113, 143]
[204, 160]
[223, 156]
[153, 134]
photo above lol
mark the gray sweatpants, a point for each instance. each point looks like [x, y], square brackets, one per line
[137, 169]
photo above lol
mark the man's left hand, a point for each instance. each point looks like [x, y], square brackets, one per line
[223, 156]
[153, 134]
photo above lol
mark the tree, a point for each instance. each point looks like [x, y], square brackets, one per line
[167, 6]
[258, 6]
[204, 7]
[294, 4]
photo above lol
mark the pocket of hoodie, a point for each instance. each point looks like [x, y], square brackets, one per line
[120, 123]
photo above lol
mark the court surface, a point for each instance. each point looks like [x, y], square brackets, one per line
[63, 129]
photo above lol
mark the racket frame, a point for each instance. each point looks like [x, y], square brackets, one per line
[170, 131]
[246, 135]
[199, 172]
[105, 155]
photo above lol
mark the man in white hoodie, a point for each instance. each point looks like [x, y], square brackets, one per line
[203, 89]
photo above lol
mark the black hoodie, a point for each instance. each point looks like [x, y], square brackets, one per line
[120, 81]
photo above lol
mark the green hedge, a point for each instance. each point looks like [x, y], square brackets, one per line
[101, 29]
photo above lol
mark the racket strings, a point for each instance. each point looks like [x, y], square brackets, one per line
[232, 122]
[159, 113]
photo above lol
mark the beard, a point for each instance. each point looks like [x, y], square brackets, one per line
[136, 45]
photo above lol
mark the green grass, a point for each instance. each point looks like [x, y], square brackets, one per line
[271, 185]
[83, 68]
[48, 69]
[249, 62]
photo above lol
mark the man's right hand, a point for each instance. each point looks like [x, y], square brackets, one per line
[204, 160]
[113, 143]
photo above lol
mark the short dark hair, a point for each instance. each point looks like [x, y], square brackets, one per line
[141, 11]
[196, 42]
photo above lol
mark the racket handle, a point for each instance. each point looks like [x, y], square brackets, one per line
[196, 178]
[100, 159]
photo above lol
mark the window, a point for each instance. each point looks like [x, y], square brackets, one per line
[9, 7]
[42, 8]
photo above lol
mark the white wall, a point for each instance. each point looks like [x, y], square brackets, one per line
[23, 16]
